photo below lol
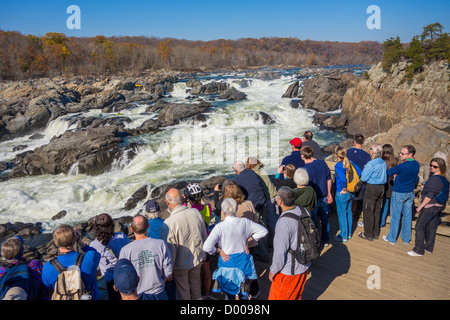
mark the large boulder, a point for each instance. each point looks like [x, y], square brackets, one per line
[427, 134]
[324, 94]
[321, 93]
[172, 113]
[210, 88]
[93, 151]
[232, 94]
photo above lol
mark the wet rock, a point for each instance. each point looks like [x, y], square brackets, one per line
[59, 215]
[94, 150]
[233, 94]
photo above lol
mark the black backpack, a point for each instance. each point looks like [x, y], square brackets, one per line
[308, 242]
[442, 197]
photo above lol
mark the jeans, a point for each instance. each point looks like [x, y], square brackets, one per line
[401, 210]
[345, 214]
[384, 211]
[321, 211]
[426, 227]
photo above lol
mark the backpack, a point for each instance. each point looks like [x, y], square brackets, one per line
[308, 241]
[69, 285]
[442, 197]
[354, 184]
[18, 276]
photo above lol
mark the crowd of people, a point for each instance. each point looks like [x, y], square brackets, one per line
[169, 259]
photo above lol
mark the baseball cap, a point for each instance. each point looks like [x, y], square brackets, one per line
[126, 278]
[297, 142]
[152, 206]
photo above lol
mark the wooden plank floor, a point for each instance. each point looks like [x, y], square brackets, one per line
[341, 272]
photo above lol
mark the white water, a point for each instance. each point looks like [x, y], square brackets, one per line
[163, 158]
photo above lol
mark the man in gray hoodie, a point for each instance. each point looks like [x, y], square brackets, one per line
[285, 285]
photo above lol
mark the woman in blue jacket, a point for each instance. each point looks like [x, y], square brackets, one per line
[343, 198]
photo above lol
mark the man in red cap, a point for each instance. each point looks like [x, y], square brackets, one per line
[294, 158]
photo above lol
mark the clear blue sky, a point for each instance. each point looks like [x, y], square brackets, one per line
[337, 20]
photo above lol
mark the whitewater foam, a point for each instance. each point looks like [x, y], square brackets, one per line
[39, 198]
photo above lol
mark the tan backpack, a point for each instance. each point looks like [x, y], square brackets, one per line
[69, 285]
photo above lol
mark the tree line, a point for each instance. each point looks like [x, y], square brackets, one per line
[30, 56]
[433, 44]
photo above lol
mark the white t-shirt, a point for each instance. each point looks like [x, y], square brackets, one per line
[231, 235]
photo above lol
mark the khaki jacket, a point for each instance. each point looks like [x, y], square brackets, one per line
[187, 233]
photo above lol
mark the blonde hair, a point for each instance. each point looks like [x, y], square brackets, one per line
[341, 153]
[64, 236]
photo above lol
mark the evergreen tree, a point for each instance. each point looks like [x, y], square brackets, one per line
[440, 48]
[392, 54]
[415, 53]
[435, 43]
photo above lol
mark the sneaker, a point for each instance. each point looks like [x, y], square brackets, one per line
[361, 224]
[339, 239]
[386, 239]
[414, 254]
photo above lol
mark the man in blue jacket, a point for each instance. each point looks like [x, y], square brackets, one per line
[250, 185]
[65, 238]
[295, 157]
[375, 177]
[252, 188]
[406, 178]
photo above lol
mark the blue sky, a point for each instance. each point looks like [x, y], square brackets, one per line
[343, 21]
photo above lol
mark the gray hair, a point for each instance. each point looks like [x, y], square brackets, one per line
[239, 165]
[229, 207]
[301, 177]
[153, 215]
[377, 150]
[173, 200]
[286, 196]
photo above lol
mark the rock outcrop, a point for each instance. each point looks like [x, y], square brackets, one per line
[384, 99]
[322, 94]
[93, 151]
[427, 134]
[27, 106]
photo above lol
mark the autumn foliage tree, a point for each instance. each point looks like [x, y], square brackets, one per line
[29, 56]
[165, 51]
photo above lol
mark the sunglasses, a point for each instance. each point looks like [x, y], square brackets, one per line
[403, 154]
[435, 167]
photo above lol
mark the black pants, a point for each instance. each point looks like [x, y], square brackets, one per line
[373, 201]
[426, 227]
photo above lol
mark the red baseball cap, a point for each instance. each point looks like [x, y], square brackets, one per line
[297, 142]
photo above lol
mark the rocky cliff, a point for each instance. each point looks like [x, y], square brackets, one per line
[383, 99]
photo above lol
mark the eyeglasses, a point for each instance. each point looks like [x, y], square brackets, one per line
[435, 167]
[403, 154]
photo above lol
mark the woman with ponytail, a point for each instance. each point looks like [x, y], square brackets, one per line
[343, 198]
